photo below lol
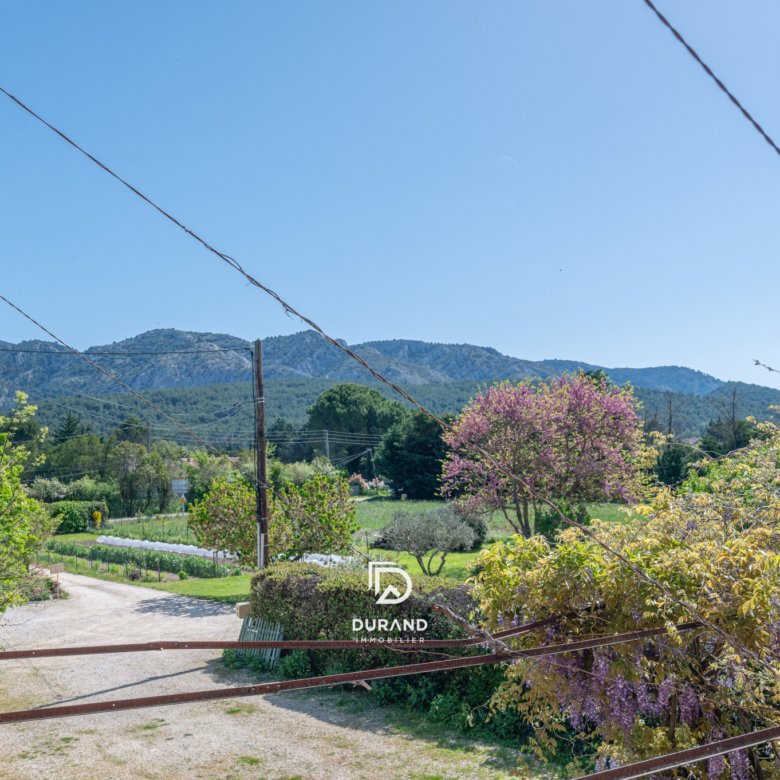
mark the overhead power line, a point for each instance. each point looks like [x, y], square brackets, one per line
[712, 76]
[94, 354]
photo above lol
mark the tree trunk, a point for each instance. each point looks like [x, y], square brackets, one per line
[672, 720]
[526, 518]
[441, 565]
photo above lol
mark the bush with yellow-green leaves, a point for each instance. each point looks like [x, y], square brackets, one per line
[714, 545]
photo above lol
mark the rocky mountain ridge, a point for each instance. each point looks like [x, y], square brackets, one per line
[170, 358]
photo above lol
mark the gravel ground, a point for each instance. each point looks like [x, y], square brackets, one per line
[307, 735]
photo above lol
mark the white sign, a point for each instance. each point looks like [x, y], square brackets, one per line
[375, 568]
[180, 485]
[182, 500]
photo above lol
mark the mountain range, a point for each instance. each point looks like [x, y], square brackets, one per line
[46, 369]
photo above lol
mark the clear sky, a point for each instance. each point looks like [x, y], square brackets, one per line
[555, 179]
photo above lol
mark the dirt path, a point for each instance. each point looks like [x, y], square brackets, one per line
[280, 737]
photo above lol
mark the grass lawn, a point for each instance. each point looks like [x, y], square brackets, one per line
[372, 515]
[228, 590]
[83, 537]
[455, 566]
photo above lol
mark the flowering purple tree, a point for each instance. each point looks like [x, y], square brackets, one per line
[574, 439]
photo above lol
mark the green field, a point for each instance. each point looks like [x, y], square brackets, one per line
[371, 516]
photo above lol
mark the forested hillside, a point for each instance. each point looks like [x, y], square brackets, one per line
[222, 413]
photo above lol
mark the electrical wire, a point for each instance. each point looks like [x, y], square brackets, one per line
[712, 76]
[121, 423]
[165, 352]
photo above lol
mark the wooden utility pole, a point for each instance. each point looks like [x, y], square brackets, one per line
[261, 491]
[148, 437]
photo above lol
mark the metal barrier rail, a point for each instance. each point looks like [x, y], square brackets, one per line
[691, 755]
[335, 644]
[329, 680]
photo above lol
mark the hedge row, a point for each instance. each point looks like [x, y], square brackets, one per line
[316, 603]
[144, 559]
[76, 515]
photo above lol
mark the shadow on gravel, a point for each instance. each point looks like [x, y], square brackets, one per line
[182, 606]
[60, 702]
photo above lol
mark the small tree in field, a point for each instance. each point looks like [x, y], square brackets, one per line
[575, 439]
[427, 535]
[226, 519]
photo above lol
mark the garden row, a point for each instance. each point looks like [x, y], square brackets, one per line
[145, 559]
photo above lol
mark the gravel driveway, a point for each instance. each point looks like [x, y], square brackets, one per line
[301, 735]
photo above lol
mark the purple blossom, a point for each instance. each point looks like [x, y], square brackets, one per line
[739, 765]
[664, 692]
[716, 767]
[689, 706]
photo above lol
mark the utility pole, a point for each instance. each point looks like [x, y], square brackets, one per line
[261, 492]
[327, 446]
[148, 437]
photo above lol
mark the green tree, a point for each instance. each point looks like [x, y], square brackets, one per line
[131, 430]
[24, 526]
[427, 535]
[226, 518]
[72, 458]
[71, 427]
[206, 469]
[290, 446]
[126, 459]
[354, 409]
[671, 466]
[724, 436]
[411, 455]
[326, 501]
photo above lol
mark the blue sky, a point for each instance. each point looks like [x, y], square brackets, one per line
[553, 179]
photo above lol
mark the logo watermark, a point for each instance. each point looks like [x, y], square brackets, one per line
[375, 569]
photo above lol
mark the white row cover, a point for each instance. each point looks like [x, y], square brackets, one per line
[323, 560]
[190, 549]
[187, 549]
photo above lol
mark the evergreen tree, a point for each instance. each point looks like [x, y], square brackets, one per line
[411, 455]
[71, 427]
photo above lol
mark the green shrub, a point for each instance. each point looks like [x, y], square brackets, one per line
[548, 522]
[143, 559]
[75, 514]
[183, 575]
[294, 666]
[313, 602]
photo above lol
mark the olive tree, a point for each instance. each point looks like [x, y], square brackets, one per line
[428, 534]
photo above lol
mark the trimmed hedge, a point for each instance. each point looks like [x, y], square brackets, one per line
[193, 566]
[313, 602]
[76, 514]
